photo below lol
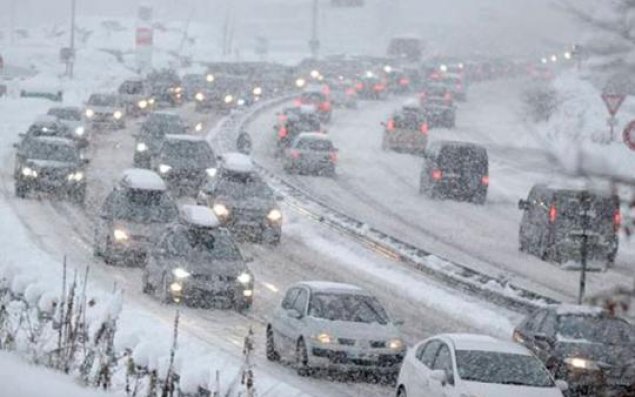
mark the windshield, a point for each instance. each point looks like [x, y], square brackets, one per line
[502, 368]
[596, 329]
[144, 206]
[52, 152]
[66, 114]
[347, 307]
[131, 88]
[194, 152]
[212, 245]
[161, 126]
[103, 100]
[318, 145]
[243, 189]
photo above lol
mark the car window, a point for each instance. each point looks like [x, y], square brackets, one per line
[319, 145]
[429, 351]
[443, 361]
[549, 324]
[301, 301]
[538, 320]
[289, 299]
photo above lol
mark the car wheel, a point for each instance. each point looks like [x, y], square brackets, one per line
[20, 189]
[401, 392]
[302, 358]
[480, 197]
[146, 287]
[79, 196]
[272, 354]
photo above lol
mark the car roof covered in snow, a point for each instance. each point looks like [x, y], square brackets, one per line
[484, 343]
[313, 135]
[198, 215]
[137, 178]
[184, 137]
[46, 119]
[577, 310]
[238, 162]
[53, 140]
[332, 287]
[411, 104]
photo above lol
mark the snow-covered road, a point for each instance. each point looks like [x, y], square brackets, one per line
[381, 188]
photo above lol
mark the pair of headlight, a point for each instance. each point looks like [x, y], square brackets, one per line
[75, 176]
[117, 115]
[326, 339]
[142, 104]
[79, 131]
[29, 172]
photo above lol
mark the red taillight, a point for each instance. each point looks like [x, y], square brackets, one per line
[333, 157]
[448, 97]
[350, 91]
[297, 103]
[282, 118]
[424, 128]
[485, 180]
[325, 106]
[282, 132]
[359, 86]
[436, 175]
[295, 154]
[390, 126]
[378, 87]
[553, 214]
[617, 220]
[404, 81]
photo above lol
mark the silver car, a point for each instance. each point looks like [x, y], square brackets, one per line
[133, 212]
[197, 262]
[105, 111]
[324, 325]
[311, 152]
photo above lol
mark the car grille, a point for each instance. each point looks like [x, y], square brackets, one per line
[249, 214]
[102, 117]
[346, 342]
[53, 174]
[213, 278]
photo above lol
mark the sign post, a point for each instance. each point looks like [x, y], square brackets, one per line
[144, 38]
[613, 103]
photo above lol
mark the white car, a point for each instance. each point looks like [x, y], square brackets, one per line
[463, 365]
[324, 325]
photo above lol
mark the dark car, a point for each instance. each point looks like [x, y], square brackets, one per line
[406, 130]
[317, 98]
[152, 133]
[554, 219]
[589, 349]
[195, 83]
[311, 152]
[227, 93]
[294, 121]
[135, 96]
[439, 113]
[243, 201]
[71, 117]
[50, 165]
[197, 261]
[455, 170]
[371, 86]
[185, 162]
[105, 111]
[49, 126]
[165, 87]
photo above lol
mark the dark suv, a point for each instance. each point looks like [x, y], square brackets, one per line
[456, 170]
[591, 350]
[553, 221]
[152, 133]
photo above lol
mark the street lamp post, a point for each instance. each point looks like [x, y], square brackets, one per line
[314, 42]
[585, 201]
[71, 58]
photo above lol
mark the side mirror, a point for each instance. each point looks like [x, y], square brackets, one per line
[440, 376]
[523, 205]
[85, 161]
[562, 385]
[294, 314]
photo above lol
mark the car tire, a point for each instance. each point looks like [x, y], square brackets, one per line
[146, 287]
[401, 392]
[272, 354]
[21, 189]
[480, 197]
[302, 359]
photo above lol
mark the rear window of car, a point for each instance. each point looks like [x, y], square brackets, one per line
[320, 145]
[409, 121]
[601, 209]
[463, 159]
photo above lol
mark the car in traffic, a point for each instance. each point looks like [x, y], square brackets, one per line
[311, 152]
[46, 125]
[105, 111]
[293, 121]
[555, 220]
[439, 113]
[196, 261]
[227, 93]
[133, 212]
[343, 94]
[50, 165]
[326, 325]
[165, 87]
[135, 96]
[185, 162]
[406, 130]
[71, 117]
[194, 83]
[316, 97]
[150, 137]
[242, 201]
[457, 365]
[587, 347]
[457, 170]
[371, 86]
[456, 85]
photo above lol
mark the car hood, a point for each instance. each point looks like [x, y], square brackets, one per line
[138, 229]
[254, 204]
[620, 355]
[72, 124]
[201, 267]
[104, 109]
[51, 164]
[496, 390]
[354, 330]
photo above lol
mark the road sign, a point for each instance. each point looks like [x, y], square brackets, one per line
[629, 135]
[613, 102]
[144, 37]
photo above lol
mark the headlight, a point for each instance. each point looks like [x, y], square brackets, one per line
[244, 278]
[581, 363]
[120, 235]
[274, 215]
[199, 97]
[209, 78]
[211, 172]
[164, 168]
[142, 104]
[76, 176]
[300, 83]
[257, 91]
[151, 101]
[198, 127]
[79, 131]
[315, 74]
[221, 210]
[26, 171]
[180, 273]
[90, 113]
[176, 288]
[141, 147]
[240, 102]
[248, 293]
[324, 338]
[117, 114]
[395, 344]
[178, 90]
[229, 99]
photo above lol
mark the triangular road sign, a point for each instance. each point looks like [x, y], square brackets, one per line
[613, 102]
